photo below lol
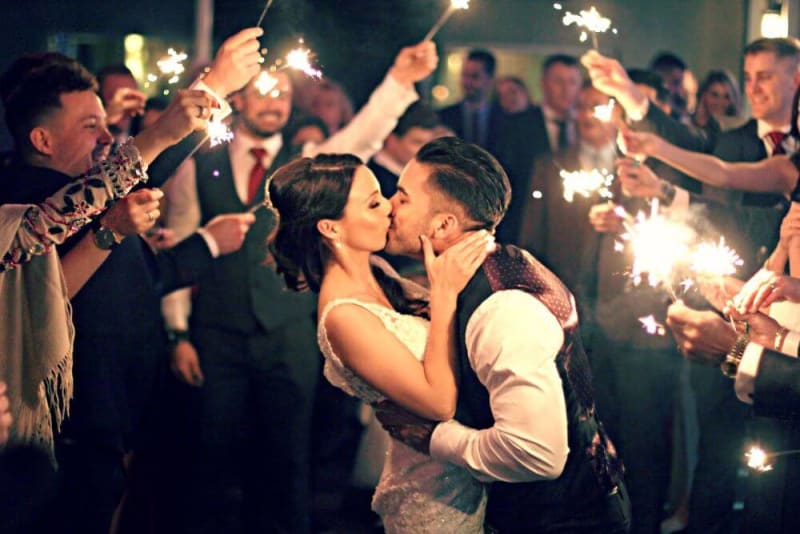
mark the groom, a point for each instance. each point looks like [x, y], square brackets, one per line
[525, 416]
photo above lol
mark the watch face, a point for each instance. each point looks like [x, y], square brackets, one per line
[104, 238]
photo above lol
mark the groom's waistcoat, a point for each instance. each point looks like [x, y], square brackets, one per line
[592, 469]
[243, 294]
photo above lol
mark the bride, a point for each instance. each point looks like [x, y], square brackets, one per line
[382, 337]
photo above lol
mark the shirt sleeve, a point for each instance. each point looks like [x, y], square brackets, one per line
[183, 218]
[746, 372]
[365, 133]
[512, 342]
[38, 227]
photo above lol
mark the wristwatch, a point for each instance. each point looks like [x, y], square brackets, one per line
[176, 336]
[730, 366]
[667, 192]
[104, 237]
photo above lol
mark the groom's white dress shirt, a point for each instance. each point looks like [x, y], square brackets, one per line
[512, 342]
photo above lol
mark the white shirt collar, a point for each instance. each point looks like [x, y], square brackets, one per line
[764, 129]
[242, 143]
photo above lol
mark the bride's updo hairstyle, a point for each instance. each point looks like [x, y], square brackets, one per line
[301, 193]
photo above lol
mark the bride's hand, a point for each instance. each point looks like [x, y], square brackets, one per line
[450, 271]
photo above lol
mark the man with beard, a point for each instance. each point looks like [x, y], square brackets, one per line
[251, 350]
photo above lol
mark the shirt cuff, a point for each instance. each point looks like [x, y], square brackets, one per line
[224, 108]
[213, 247]
[746, 372]
[791, 345]
[679, 209]
[637, 112]
[393, 96]
[448, 441]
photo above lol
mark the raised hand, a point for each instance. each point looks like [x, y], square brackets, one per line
[125, 102]
[637, 180]
[604, 218]
[415, 63]
[450, 271]
[134, 214]
[639, 145]
[764, 288]
[229, 230]
[610, 77]
[237, 62]
[701, 336]
[760, 327]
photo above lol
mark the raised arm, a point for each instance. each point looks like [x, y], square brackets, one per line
[365, 347]
[771, 175]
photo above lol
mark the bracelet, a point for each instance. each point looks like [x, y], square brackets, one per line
[730, 366]
[780, 337]
[176, 336]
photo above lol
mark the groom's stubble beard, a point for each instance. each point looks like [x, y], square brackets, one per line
[263, 133]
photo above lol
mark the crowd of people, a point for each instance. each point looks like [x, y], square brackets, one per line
[396, 304]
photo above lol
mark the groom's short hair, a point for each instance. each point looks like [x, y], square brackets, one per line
[469, 175]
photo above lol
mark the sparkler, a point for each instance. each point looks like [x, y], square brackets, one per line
[651, 326]
[586, 183]
[605, 112]
[757, 458]
[265, 82]
[218, 132]
[170, 65]
[455, 5]
[717, 259]
[263, 13]
[300, 59]
[592, 20]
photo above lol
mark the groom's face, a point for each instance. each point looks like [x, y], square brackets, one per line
[412, 211]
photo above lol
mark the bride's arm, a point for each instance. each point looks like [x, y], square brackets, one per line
[374, 354]
[772, 175]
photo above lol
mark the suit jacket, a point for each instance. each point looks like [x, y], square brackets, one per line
[120, 345]
[243, 293]
[776, 390]
[523, 140]
[453, 118]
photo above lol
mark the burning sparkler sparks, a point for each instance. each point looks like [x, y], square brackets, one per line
[605, 112]
[265, 82]
[172, 65]
[757, 460]
[651, 326]
[455, 5]
[591, 20]
[218, 132]
[586, 183]
[715, 259]
[300, 59]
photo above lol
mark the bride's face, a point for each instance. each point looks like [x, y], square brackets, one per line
[366, 214]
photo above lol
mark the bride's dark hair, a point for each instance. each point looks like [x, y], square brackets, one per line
[301, 193]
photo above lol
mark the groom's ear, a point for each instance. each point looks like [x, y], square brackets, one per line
[327, 228]
[445, 226]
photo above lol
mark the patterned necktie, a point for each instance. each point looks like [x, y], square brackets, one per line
[777, 142]
[256, 174]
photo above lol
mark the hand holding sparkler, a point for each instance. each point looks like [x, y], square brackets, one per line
[126, 102]
[761, 328]
[455, 5]
[610, 77]
[189, 110]
[764, 288]
[605, 218]
[237, 62]
[641, 145]
[702, 336]
[637, 180]
[414, 63]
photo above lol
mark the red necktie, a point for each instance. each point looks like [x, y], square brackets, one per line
[777, 142]
[256, 174]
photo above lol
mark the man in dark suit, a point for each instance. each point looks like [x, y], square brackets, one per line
[476, 118]
[540, 130]
[119, 347]
[251, 348]
[772, 76]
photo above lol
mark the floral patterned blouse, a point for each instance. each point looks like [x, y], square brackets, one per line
[74, 205]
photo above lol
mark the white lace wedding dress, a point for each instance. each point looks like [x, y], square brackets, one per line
[416, 494]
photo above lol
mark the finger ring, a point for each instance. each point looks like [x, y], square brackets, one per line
[150, 216]
[772, 286]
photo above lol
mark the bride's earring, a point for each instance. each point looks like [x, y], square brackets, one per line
[337, 243]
